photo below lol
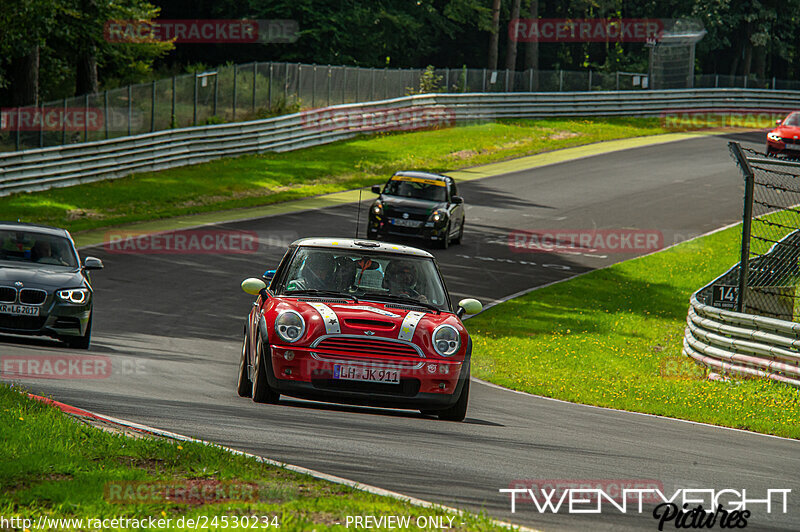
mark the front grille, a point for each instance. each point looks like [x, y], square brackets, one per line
[8, 294]
[406, 388]
[790, 141]
[421, 216]
[32, 296]
[353, 347]
[22, 323]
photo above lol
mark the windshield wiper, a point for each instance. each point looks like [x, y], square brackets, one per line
[313, 292]
[403, 299]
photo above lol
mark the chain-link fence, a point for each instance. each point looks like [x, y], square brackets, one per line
[260, 90]
[769, 272]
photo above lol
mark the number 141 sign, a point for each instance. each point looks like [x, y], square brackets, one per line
[724, 296]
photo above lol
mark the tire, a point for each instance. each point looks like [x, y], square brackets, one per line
[445, 242]
[245, 386]
[457, 240]
[458, 411]
[262, 393]
[80, 342]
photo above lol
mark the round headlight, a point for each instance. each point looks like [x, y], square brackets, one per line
[446, 340]
[377, 209]
[77, 296]
[289, 326]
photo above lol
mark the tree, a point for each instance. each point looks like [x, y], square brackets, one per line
[494, 38]
[511, 53]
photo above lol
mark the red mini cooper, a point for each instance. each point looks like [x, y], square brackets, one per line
[361, 322]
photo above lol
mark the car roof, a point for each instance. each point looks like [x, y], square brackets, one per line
[423, 175]
[33, 228]
[361, 245]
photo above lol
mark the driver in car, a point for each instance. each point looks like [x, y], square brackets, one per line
[317, 273]
[401, 280]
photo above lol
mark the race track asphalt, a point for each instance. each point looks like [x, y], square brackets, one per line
[171, 327]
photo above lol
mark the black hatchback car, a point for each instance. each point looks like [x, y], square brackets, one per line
[418, 204]
[44, 288]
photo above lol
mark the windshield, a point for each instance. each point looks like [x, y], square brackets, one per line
[792, 120]
[365, 275]
[417, 188]
[36, 248]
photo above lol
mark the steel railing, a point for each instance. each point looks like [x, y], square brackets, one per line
[59, 166]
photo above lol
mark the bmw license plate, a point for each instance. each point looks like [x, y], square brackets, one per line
[19, 310]
[405, 223]
[366, 374]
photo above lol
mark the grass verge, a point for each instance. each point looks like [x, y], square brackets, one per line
[613, 338]
[56, 467]
[256, 180]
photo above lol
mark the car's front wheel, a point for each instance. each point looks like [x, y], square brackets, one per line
[80, 342]
[245, 385]
[444, 243]
[458, 411]
[262, 393]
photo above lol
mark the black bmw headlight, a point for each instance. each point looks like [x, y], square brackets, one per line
[77, 296]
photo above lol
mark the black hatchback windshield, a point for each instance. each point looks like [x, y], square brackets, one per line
[36, 248]
[417, 188]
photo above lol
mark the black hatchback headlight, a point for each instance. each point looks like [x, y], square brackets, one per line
[77, 296]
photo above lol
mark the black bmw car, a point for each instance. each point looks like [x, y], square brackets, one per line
[44, 288]
[418, 204]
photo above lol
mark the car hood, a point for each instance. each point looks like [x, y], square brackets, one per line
[787, 131]
[37, 276]
[368, 319]
[410, 205]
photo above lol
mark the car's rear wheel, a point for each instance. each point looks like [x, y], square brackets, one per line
[457, 240]
[262, 393]
[458, 411]
[245, 385]
[80, 342]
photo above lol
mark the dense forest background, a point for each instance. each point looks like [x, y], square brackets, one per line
[55, 48]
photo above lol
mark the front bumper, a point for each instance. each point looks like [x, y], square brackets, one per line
[784, 148]
[380, 227]
[56, 319]
[424, 384]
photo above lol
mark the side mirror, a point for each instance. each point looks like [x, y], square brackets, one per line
[376, 189]
[253, 286]
[778, 122]
[468, 306]
[92, 263]
[457, 200]
[268, 275]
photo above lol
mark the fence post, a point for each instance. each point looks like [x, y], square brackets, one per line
[314, 86]
[358, 81]
[299, 79]
[269, 85]
[41, 125]
[64, 122]
[153, 108]
[483, 85]
[716, 81]
[194, 112]
[235, 68]
[19, 117]
[508, 89]
[773, 82]
[372, 84]
[328, 99]
[86, 115]
[344, 82]
[747, 215]
[560, 80]
[216, 92]
[447, 79]
[173, 119]
[255, 72]
[590, 80]
[385, 83]
[617, 75]
[530, 82]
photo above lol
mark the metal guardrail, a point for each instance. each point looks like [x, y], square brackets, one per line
[741, 343]
[61, 166]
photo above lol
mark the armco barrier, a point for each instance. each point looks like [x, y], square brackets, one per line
[60, 166]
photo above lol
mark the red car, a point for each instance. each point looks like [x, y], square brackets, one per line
[357, 321]
[785, 138]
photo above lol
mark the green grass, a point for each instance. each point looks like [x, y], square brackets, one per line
[613, 338]
[58, 467]
[263, 179]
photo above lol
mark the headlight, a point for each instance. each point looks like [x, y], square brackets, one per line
[75, 295]
[446, 340]
[774, 137]
[438, 216]
[377, 208]
[289, 326]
